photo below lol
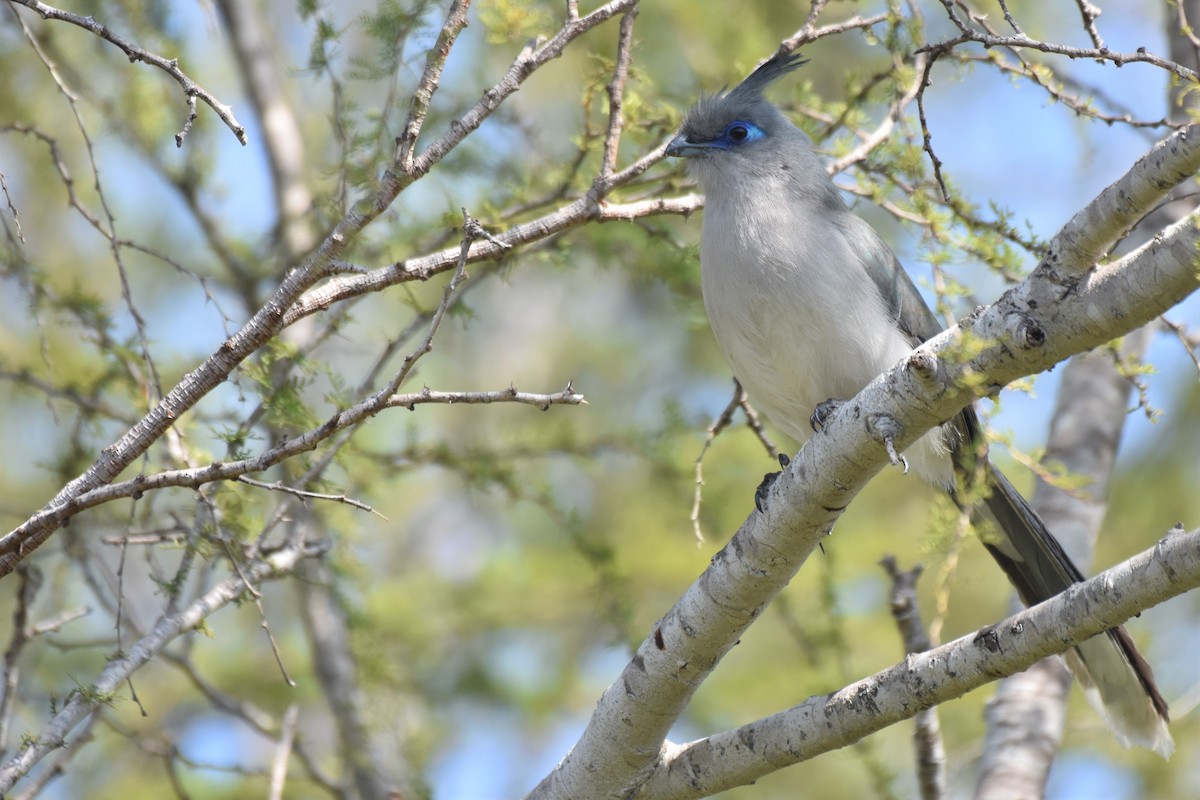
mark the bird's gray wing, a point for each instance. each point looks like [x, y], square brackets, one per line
[900, 295]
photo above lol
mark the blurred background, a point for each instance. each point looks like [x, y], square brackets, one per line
[517, 556]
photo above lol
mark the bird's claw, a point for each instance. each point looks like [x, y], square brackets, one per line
[896, 459]
[764, 488]
[823, 413]
[885, 429]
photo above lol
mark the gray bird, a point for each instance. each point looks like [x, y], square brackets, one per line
[809, 304]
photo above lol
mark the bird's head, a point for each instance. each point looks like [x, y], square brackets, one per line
[737, 129]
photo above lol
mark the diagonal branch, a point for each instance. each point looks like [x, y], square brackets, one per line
[830, 721]
[274, 315]
[191, 89]
[435, 62]
[82, 703]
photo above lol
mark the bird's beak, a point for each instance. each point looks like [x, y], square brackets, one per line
[682, 147]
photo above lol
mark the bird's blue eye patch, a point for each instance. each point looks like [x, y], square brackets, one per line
[739, 132]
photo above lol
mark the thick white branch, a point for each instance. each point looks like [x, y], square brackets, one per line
[831, 721]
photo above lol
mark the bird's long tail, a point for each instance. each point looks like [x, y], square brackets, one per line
[1116, 679]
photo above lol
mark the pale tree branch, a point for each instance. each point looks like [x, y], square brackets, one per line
[372, 770]
[435, 62]
[83, 703]
[283, 752]
[588, 208]
[830, 721]
[283, 143]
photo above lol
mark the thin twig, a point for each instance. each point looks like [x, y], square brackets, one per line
[926, 133]
[191, 89]
[435, 62]
[1099, 53]
[1191, 343]
[12, 209]
[1089, 13]
[809, 33]
[53, 736]
[927, 734]
[278, 486]
[719, 424]
[567, 396]
[29, 580]
[616, 93]
[884, 129]
[1008, 17]
[1184, 27]
[533, 56]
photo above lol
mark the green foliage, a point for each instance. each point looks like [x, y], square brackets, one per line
[514, 20]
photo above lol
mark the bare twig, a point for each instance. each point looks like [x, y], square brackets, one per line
[1191, 343]
[109, 230]
[927, 734]
[435, 61]
[1183, 27]
[808, 32]
[616, 93]
[1020, 40]
[54, 734]
[1008, 17]
[12, 209]
[1089, 13]
[567, 396]
[58, 621]
[719, 424]
[582, 210]
[530, 58]
[1081, 106]
[30, 580]
[278, 486]
[926, 133]
[191, 89]
[884, 129]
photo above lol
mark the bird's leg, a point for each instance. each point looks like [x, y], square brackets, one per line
[760, 494]
[824, 412]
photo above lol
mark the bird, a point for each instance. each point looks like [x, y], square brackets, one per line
[808, 305]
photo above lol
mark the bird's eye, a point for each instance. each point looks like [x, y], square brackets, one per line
[740, 132]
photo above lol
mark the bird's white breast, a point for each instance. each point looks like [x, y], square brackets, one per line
[795, 314]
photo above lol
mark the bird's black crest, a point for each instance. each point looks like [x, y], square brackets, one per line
[715, 109]
[771, 70]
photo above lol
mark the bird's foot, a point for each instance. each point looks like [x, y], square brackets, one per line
[896, 459]
[764, 488]
[824, 412]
